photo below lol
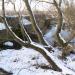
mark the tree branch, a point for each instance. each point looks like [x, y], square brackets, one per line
[34, 25]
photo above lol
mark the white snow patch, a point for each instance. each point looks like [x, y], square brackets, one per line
[8, 43]
[25, 22]
[50, 36]
[65, 34]
[2, 26]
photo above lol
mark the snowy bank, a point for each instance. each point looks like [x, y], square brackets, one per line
[26, 60]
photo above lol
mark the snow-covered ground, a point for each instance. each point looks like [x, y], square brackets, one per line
[26, 61]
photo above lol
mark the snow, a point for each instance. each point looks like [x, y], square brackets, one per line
[25, 22]
[2, 26]
[8, 43]
[20, 62]
[66, 69]
[70, 62]
[24, 61]
[50, 36]
[65, 34]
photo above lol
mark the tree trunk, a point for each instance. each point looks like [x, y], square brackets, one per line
[67, 48]
[23, 30]
[34, 25]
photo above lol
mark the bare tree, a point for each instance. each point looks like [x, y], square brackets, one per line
[67, 48]
[34, 25]
[28, 44]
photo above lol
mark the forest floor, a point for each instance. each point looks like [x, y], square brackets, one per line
[27, 61]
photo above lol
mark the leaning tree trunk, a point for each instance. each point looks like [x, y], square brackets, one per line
[67, 48]
[36, 47]
[34, 25]
[60, 20]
